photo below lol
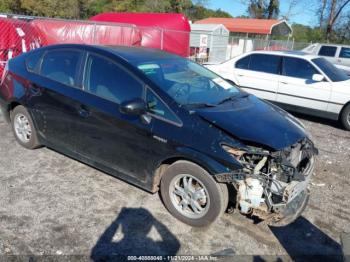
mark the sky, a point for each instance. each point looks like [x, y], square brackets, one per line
[302, 13]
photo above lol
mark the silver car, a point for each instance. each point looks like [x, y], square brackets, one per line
[339, 55]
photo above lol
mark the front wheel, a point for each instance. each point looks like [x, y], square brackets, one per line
[192, 195]
[345, 117]
[23, 128]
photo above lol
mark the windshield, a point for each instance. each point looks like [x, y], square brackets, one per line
[334, 74]
[187, 82]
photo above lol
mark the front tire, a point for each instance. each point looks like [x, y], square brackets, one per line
[23, 128]
[345, 117]
[192, 195]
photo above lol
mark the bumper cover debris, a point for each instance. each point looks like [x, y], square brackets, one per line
[273, 185]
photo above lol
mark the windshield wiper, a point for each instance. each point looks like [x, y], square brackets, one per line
[201, 105]
[233, 97]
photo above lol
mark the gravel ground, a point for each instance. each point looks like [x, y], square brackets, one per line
[53, 205]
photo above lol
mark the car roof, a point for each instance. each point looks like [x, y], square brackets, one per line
[131, 54]
[287, 53]
[139, 54]
[330, 44]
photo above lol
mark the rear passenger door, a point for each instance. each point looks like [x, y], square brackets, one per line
[296, 87]
[258, 74]
[52, 90]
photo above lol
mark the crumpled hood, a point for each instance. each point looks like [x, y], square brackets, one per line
[250, 119]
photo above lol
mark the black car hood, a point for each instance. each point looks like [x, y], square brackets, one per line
[251, 119]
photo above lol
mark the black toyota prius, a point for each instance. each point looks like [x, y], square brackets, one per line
[162, 123]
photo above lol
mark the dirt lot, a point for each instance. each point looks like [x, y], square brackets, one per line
[53, 205]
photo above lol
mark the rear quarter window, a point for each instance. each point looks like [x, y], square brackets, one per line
[33, 61]
[326, 50]
[243, 63]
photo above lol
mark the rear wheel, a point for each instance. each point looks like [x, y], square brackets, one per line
[23, 128]
[191, 194]
[345, 117]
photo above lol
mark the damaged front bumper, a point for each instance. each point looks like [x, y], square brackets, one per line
[273, 186]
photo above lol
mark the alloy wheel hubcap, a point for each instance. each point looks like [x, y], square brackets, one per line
[189, 196]
[22, 128]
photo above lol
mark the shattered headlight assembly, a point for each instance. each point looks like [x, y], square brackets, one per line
[250, 187]
[237, 153]
[244, 156]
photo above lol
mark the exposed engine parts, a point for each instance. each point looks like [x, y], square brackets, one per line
[269, 181]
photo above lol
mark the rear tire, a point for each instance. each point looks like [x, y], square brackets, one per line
[199, 200]
[23, 128]
[345, 117]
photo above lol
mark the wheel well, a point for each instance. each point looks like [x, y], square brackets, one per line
[160, 171]
[164, 165]
[10, 107]
[341, 111]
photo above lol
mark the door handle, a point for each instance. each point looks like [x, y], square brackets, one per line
[240, 74]
[84, 111]
[285, 83]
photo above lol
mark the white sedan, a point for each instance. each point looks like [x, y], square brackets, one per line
[295, 81]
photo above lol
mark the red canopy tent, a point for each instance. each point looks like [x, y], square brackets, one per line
[65, 31]
[166, 31]
[16, 37]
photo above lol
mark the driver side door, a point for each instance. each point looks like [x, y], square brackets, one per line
[118, 143]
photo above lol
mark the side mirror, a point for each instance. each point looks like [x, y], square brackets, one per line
[134, 107]
[317, 77]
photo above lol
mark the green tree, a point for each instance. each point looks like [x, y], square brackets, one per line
[178, 6]
[303, 33]
[10, 6]
[52, 8]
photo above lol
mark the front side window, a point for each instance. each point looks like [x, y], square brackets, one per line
[157, 107]
[299, 68]
[187, 82]
[108, 80]
[344, 52]
[61, 66]
[264, 63]
[243, 63]
[327, 50]
[334, 73]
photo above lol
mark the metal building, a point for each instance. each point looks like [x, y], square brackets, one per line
[209, 42]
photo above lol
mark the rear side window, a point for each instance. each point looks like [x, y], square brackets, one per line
[327, 50]
[243, 63]
[264, 63]
[344, 52]
[299, 68]
[61, 66]
[32, 61]
[108, 80]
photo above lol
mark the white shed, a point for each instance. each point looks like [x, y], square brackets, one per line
[209, 42]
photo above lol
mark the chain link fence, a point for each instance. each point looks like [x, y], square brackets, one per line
[19, 34]
[221, 48]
